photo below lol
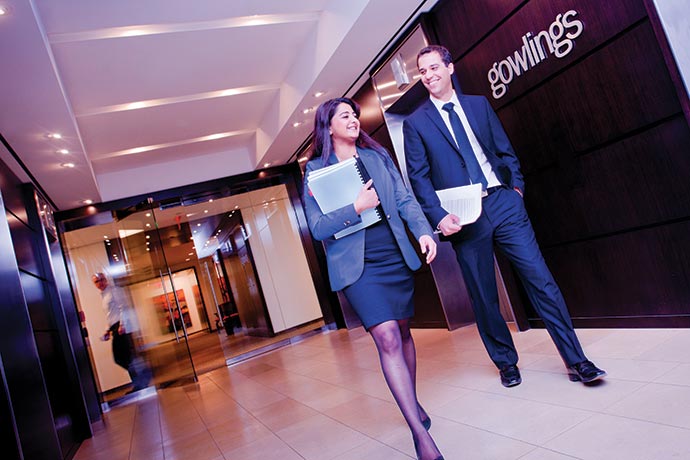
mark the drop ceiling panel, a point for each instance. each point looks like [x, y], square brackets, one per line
[228, 148]
[100, 73]
[81, 15]
[113, 132]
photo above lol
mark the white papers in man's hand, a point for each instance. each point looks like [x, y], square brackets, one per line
[465, 202]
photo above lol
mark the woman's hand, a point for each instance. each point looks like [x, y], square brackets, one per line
[367, 198]
[428, 247]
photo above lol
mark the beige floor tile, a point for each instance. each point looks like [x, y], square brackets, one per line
[433, 395]
[283, 413]
[675, 349]
[372, 450]
[605, 437]
[667, 404]
[368, 415]
[236, 434]
[678, 375]
[629, 343]
[321, 438]
[521, 419]
[545, 454]
[458, 441]
[325, 398]
[268, 448]
[200, 446]
[468, 376]
[557, 389]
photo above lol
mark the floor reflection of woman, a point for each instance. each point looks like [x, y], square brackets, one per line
[374, 266]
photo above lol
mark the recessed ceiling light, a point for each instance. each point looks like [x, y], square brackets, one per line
[55, 135]
[266, 165]
[68, 165]
[63, 151]
[87, 201]
[105, 236]
[307, 110]
[296, 124]
[4, 10]
[205, 211]
[318, 94]
[148, 225]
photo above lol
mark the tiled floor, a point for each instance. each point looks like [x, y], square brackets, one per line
[325, 398]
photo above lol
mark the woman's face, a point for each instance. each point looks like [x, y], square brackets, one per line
[344, 124]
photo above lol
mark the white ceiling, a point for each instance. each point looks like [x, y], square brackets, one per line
[153, 94]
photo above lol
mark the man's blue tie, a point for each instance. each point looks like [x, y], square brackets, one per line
[473, 168]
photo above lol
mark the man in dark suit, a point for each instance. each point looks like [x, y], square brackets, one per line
[453, 140]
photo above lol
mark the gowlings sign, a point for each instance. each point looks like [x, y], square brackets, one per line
[558, 40]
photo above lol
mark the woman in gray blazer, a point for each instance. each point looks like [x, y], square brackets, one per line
[373, 266]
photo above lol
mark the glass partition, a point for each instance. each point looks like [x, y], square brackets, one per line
[210, 280]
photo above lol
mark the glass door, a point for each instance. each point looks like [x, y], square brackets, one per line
[162, 305]
[210, 281]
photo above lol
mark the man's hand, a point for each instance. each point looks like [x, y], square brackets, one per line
[449, 225]
[428, 247]
[367, 198]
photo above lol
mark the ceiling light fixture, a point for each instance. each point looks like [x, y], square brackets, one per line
[87, 201]
[319, 94]
[67, 165]
[63, 151]
[266, 165]
[55, 136]
[296, 124]
[4, 10]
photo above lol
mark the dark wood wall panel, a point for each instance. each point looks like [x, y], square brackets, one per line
[22, 236]
[604, 147]
[601, 21]
[606, 96]
[637, 182]
[623, 275]
[460, 24]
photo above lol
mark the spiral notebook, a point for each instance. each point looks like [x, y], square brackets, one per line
[338, 185]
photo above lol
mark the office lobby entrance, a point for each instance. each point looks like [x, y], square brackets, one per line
[209, 280]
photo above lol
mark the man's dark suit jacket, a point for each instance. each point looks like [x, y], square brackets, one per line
[434, 161]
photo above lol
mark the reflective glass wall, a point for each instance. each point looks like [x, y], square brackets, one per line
[207, 280]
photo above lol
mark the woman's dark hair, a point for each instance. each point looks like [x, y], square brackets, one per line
[323, 147]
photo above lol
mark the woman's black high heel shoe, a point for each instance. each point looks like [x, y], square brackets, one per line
[416, 447]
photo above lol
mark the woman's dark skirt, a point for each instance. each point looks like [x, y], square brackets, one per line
[385, 289]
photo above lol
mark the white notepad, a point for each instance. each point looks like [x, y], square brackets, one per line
[338, 185]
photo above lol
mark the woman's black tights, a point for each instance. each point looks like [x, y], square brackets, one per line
[399, 364]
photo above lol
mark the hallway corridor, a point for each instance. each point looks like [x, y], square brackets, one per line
[325, 398]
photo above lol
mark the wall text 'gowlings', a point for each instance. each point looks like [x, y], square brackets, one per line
[559, 42]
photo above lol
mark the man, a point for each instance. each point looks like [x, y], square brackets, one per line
[121, 321]
[463, 143]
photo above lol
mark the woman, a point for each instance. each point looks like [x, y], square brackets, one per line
[373, 266]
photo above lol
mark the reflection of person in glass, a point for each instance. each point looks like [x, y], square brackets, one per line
[373, 266]
[121, 321]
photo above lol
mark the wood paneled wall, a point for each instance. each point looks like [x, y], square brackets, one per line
[41, 365]
[604, 147]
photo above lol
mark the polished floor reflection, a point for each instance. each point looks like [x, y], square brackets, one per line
[325, 398]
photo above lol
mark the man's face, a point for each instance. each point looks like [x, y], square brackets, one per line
[99, 281]
[436, 75]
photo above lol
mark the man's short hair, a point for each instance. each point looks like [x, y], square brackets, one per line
[441, 50]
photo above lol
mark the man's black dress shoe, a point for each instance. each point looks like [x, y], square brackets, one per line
[510, 376]
[585, 372]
